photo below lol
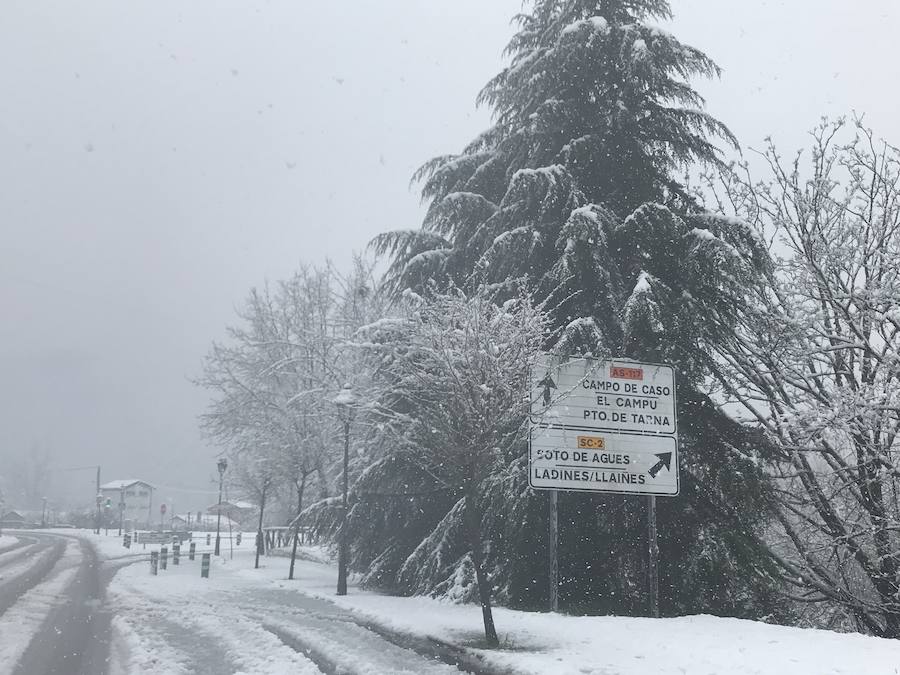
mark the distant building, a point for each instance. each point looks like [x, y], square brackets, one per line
[202, 522]
[241, 512]
[137, 498]
[13, 519]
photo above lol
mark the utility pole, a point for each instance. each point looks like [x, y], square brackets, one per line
[96, 494]
[98, 499]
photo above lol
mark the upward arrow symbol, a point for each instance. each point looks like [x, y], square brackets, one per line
[547, 383]
[665, 460]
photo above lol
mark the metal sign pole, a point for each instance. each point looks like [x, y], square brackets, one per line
[554, 551]
[653, 549]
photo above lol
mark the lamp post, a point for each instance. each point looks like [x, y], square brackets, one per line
[345, 402]
[221, 465]
[121, 508]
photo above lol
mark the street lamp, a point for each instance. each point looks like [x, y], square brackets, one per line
[121, 508]
[221, 465]
[99, 507]
[345, 402]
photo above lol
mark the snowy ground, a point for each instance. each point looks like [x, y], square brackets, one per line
[255, 621]
[240, 620]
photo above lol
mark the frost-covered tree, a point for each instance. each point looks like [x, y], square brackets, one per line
[272, 380]
[816, 366]
[451, 373]
[574, 195]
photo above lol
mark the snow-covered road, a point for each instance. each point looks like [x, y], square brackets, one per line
[177, 622]
[86, 605]
[50, 617]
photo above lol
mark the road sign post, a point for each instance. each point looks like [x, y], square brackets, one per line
[653, 557]
[554, 550]
[606, 426]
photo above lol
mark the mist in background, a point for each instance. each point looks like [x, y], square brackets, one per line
[159, 159]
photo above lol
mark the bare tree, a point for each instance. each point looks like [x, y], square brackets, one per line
[272, 381]
[816, 365]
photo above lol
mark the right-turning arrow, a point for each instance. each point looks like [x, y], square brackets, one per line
[665, 460]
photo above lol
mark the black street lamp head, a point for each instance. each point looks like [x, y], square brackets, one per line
[222, 464]
[345, 401]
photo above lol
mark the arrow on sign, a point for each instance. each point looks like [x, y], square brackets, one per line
[547, 383]
[665, 460]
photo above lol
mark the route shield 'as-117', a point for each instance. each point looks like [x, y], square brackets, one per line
[603, 426]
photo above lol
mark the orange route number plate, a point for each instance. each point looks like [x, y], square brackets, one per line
[624, 373]
[591, 442]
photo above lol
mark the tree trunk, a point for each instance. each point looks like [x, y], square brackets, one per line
[297, 525]
[473, 526]
[259, 533]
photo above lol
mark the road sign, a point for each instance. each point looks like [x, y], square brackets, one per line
[603, 426]
[162, 509]
[572, 459]
[610, 395]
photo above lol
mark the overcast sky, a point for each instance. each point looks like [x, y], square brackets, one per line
[157, 159]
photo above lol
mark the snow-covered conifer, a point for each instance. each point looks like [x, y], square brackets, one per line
[574, 194]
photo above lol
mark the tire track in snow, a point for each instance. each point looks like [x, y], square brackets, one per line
[24, 618]
[187, 637]
[9, 546]
[17, 578]
[13, 553]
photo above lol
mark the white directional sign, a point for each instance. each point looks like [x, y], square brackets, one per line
[603, 426]
[568, 459]
[594, 394]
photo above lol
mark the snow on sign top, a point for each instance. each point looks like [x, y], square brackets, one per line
[611, 395]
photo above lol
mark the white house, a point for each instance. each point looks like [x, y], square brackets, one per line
[137, 498]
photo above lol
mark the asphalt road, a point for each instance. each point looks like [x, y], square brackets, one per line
[66, 585]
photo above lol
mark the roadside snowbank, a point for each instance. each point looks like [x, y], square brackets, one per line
[542, 643]
[7, 541]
